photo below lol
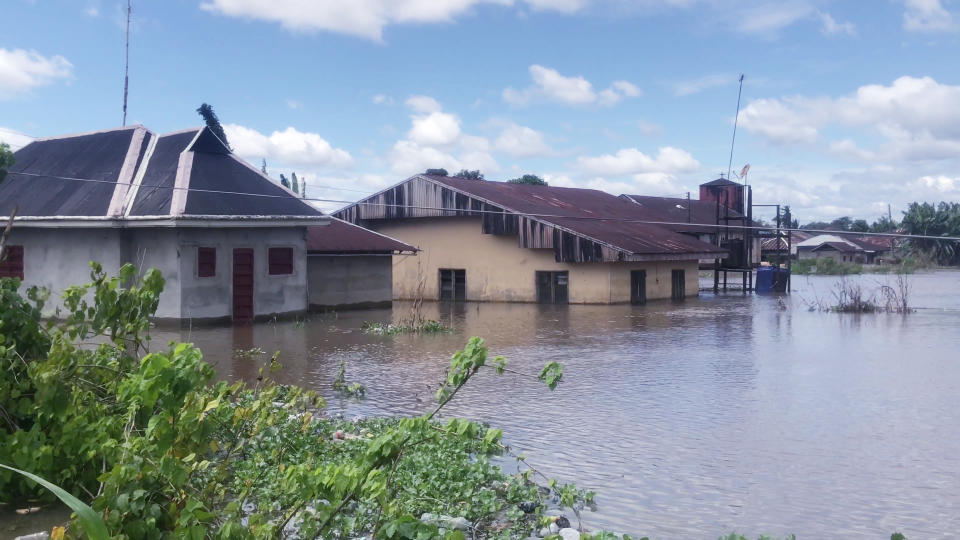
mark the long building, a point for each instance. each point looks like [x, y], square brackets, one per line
[493, 241]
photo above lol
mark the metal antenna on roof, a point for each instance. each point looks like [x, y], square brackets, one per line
[126, 67]
[735, 119]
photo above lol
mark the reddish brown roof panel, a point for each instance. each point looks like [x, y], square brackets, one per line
[342, 237]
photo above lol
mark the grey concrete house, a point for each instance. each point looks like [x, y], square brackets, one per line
[349, 267]
[230, 242]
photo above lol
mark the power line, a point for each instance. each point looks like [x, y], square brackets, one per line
[505, 213]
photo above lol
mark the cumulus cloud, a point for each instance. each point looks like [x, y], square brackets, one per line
[22, 71]
[14, 138]
[367, 18]
[629, 161]
[927, 16]
[522, 141]
[436, 139]
[918, 118]
[289, 147]
[382, 99]
[436, 128]
[423, 104]
[550, 85]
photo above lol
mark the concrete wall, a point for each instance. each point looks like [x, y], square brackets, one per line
[58, 258]
[212, 297]
[349, 280]
[498, 270]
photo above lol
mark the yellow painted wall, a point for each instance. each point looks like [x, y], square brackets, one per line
[498, 270]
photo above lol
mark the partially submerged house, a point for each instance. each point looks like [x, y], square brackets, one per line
[349, 267]
[229, 242]
[494, 241]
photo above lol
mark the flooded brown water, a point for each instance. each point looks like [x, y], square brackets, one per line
[722, 413]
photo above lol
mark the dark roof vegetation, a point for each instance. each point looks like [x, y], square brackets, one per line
[131, 172]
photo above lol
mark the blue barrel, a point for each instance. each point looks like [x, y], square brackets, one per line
[765, 279]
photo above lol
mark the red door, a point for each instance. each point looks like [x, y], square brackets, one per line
[243, 284]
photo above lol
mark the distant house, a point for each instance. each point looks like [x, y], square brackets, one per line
[349, 267]
[493, 241]
[830, 246]
[230, 242]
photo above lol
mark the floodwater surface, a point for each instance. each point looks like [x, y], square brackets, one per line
[721, 413]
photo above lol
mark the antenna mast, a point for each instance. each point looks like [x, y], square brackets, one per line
[735, 119]
[126, 67]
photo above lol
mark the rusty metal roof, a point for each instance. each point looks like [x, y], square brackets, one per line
[342, 237]
[689, 215]
[588, 212]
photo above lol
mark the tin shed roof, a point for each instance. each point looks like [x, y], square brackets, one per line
[592, 215]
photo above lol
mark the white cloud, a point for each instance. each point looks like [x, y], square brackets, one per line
[382, 99]
[436, 128]
[92, 11]
[917, 118]
[832, 27]
[550, 85]
[629, 161]
[423, 104]
[436, 140]
[294, 104]
[940, 183]
[367, 18]
[927, 16]
[522, 141]
[22, 70]
[687, 88]
[770, 17]
[847, 148]
[14, 138]
[290, 147]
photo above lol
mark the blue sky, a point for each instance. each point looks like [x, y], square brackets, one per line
[847, 106]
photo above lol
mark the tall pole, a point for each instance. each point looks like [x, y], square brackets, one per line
[126, 67]
[735, 120]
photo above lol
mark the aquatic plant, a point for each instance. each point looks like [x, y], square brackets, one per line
[341, 385]
[428, 326]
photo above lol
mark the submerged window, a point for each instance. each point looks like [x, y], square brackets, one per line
[678, 281]
[12, 264]
[280, 261]
[553, 287]
[638, 286]
[453, 284]
[206, 262]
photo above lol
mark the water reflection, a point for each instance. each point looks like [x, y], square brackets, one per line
[690, 420]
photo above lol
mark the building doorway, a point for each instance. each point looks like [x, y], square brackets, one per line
[638, 287]
[678, 281]
[553, 287]
[453, 285]
[242, 284]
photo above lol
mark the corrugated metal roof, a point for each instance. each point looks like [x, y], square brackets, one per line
[590, 214]
[688, 213]
[98, 161]
[839, 246]
[720, 182]
[342, 237]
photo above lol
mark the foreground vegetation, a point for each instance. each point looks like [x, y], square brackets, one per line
[158, 449]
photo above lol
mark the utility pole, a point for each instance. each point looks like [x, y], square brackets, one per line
[126, 66]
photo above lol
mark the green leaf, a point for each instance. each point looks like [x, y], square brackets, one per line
[91, 522]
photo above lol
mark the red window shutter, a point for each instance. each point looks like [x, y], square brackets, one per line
[281, 261]
[206, 262]
[12, 265]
